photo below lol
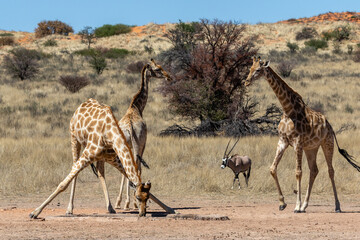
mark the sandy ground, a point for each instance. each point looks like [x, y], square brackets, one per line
[255, 218]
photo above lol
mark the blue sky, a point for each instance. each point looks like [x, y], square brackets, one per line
[23, 15]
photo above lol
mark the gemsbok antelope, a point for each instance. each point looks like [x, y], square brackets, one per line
[238, 164]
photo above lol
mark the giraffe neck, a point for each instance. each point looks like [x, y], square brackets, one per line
[288, 98]
[140, 98]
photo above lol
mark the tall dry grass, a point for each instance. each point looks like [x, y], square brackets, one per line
[35, 152]
[178, 167]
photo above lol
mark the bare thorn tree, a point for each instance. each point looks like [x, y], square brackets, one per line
[209, 61]
[88, 36]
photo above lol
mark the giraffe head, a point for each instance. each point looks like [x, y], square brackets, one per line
[157, 71]
[142, 194]
[256, 70]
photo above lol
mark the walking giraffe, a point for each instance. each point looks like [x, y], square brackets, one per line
[302, 128]
[94, 127]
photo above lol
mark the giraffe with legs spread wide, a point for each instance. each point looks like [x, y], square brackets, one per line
[94, 127]
[302, 128]
[134, 128]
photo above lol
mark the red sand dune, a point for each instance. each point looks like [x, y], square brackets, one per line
[330, 16]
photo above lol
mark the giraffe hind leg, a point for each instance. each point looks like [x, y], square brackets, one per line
[328, 149]
[311, 159]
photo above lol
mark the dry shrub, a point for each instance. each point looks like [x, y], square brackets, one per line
[7, 41]
[306, 33]
[74, 83]
[356, 57]
[135, 67]
[22, 63]
[208, 63]
[52, 27]
[285, 67]
[317, 106]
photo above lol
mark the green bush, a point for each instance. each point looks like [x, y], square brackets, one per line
[327, 36]
[108, 30]
[293, 47]
[342, 33]
[338, 34]
[98, 63]
[6, 35]
[50, 43]
[87, 52]
[316, 43]
[114, 52]
[104, 52]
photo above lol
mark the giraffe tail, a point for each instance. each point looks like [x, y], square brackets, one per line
[94, 170]
[346, 155]
[349, 158]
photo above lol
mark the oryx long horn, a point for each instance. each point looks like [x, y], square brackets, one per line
[226, 148]
[234, 145]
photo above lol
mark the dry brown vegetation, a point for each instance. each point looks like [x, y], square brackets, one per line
[35, 152]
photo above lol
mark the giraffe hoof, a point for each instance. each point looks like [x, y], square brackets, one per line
[69, 214]
[337, 210]
[282, 207]
[298, 211]
[32, 216]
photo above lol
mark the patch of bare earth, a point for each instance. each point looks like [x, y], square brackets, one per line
[255, 218]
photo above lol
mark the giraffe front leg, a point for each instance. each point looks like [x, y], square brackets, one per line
[75, 149]
[127, 201]
[328, 149]
[282, 145]
[76, 168]
[298, 173]
[119, 198]
[101, 173]
[70, 208]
